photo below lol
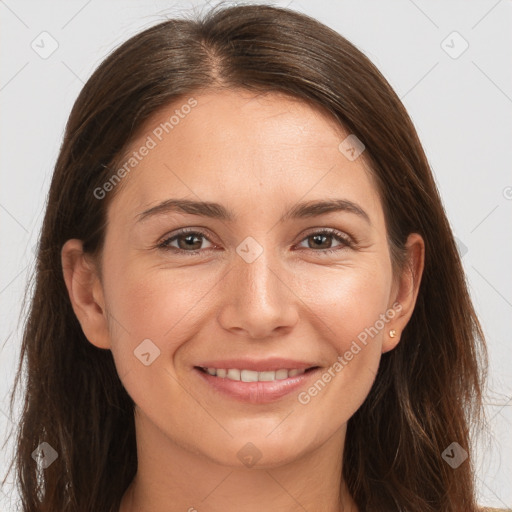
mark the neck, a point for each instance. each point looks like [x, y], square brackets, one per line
[171, 478]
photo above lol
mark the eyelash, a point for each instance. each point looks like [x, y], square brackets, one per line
[190, 231]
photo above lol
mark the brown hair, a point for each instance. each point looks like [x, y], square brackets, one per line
[428, 391]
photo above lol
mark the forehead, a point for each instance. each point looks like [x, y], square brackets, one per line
[249, 147]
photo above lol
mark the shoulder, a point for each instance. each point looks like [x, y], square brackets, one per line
[489, 509]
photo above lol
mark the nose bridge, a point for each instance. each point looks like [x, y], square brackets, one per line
[257, 299]
[255, 271]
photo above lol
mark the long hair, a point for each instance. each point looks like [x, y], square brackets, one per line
[428, 390]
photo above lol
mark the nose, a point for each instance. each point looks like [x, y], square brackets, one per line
[258, 300]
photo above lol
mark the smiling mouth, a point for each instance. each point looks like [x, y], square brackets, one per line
[254, 376]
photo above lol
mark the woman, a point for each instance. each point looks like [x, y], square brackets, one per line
[248, 295]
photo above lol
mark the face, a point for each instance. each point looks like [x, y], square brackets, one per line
[260, 283]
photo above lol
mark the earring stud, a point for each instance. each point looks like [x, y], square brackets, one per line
[392, 333]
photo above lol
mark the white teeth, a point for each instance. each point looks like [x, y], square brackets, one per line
[253, 376]
[233, 374]
[267, 376]
[281, 374]
[248, 376]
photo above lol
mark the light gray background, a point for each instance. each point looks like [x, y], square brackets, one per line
[461, 108]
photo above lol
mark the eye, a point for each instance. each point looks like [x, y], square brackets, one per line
[190, 241]
[324, 237]
[187, 240]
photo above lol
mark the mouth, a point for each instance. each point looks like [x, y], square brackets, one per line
[244, 375]
[252, 386]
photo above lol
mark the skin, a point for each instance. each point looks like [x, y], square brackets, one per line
[258, 155]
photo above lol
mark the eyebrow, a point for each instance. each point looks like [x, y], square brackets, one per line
[218, 211]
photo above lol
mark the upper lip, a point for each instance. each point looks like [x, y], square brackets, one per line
[258, 365]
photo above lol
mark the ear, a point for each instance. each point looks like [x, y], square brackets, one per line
[85, 292]
[405, 291]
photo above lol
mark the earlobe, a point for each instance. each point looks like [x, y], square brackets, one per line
[391, 340]
[85, 292]
[407, 291]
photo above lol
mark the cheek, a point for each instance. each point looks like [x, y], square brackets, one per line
[157, 304]
[361, 304]
[349, 308]
[346, 301]
[154, 314]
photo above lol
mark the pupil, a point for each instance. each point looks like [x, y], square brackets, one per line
[189, 240]
[317, 237]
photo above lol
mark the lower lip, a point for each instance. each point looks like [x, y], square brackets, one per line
[257, 392]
